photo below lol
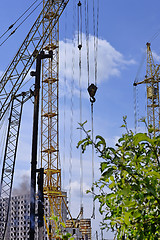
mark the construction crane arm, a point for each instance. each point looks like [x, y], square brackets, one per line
[17, 71]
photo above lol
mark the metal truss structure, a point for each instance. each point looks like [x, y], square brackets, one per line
[10, 156]
[152, 80]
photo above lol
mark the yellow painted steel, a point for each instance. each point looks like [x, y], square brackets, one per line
[151, 80]
[49, 120]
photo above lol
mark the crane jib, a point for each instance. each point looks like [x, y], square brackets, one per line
[17, 71]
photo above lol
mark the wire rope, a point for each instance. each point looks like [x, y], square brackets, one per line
[71, 101]
[64, 100]
[95, 32]
[135, 93]
[87, 38]
[20, 24]
[3, 130]
[93, 88]
[92, 119]
[155, 35]
[80, 99]
[12, 25]
[135, 108]
[96, 49]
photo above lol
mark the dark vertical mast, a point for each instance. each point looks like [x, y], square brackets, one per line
[37, 74]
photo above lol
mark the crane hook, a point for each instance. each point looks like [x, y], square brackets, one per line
[92, 91]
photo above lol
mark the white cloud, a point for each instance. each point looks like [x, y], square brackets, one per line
[1, 73]
[110, 61]
[75, 189]
[156, 57]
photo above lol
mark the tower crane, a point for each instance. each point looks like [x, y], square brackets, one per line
[44, 35]
[152, 79]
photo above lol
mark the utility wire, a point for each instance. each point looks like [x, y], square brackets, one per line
[18, 25]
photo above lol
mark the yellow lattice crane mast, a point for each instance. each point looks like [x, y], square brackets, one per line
[49, 117]
[151, 80]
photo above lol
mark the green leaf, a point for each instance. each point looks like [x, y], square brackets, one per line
[82, 141]
[82, 124]
[63, 224]
[108, 173]
[68, 235]
[103, 166]
[55, 218]
[126, 218]
[136, 214]
[111, 185]
[112, 178]
[101, 142]
[139, 137]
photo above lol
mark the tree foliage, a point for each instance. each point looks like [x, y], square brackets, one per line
[60, 227]
[129, 187]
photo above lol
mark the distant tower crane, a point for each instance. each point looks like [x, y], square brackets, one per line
[44, 35]
[152, 80]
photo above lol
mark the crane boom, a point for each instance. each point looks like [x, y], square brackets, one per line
[14, 76]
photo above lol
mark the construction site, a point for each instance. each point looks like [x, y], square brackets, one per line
[41, 208]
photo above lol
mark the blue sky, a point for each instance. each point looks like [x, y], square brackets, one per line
[124, 28]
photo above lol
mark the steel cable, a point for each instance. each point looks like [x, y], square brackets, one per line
[20, 24]
[64, 101]
[12, 25]
[87, 38]
[80, 99]
[71, 118]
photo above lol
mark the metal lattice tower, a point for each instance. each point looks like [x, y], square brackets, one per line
[151, 80]
[152, 84]
[49, 116]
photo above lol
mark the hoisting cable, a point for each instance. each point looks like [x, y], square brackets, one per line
[19, 24]
[71, 119]
[80, 100]
[92, 91]
[135, 93]
[95, 31]
[92, 88]
[87, 37]
[64, 100]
